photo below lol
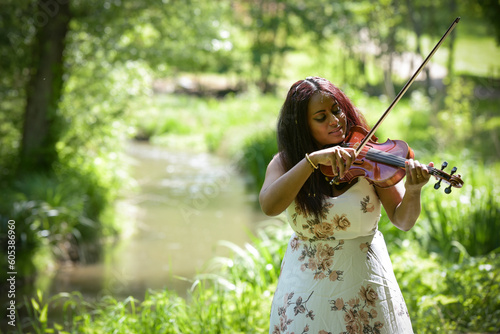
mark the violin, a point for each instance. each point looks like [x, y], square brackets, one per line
[384, 164]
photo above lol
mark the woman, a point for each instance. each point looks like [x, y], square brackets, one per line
[336, 275]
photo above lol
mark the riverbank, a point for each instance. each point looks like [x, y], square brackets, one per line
[172, 219]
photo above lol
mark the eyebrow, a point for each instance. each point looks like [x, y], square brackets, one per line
[323, 110]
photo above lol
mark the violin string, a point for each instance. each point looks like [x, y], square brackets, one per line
[381, 156]
[394, 160]
[384, 157]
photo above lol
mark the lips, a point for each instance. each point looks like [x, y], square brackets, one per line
[335, 131]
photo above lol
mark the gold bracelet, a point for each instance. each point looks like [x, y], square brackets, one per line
[308, 159]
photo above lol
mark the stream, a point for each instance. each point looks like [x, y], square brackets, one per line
[184, 203]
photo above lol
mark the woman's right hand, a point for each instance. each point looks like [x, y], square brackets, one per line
[340, 158]
[281, 187]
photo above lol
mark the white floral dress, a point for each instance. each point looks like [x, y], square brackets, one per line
[336, 276]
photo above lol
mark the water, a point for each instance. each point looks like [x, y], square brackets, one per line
[184, 204]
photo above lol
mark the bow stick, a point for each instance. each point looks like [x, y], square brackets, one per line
[405, 88]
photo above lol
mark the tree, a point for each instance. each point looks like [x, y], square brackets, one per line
[275, 26]
[70, 70]
[491, 10]
[151, 32]
[41, 130]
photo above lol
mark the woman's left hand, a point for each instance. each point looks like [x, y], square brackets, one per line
[417, 174]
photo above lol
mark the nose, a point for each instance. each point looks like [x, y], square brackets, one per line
[334, 120]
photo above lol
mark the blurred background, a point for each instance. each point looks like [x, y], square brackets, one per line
[134, 138]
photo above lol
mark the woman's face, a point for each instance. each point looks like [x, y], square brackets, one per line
[327, 121]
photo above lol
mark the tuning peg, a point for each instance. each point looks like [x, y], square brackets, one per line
[438, 184]
[448, 190]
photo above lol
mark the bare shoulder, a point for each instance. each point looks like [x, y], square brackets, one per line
[274, 171]
[276, 165]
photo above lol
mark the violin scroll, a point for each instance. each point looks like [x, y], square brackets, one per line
[452, 180]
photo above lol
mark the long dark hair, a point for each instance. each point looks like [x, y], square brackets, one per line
[295, 138]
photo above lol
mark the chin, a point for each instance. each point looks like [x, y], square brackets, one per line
[337, 141]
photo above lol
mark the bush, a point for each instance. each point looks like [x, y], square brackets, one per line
[62, 213]
[256, 154]
[444, 297]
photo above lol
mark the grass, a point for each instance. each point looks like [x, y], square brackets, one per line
[462, 224]
[234, 297]
[217, 125]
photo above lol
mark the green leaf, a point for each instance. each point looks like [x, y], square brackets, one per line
[43, 314]
[35, 304]
[39, 294]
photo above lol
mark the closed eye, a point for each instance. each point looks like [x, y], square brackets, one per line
[321, 118]
[336, 110]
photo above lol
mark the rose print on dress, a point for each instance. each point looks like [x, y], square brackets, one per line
[360, 315]
[364, 247]
[341, 222]
[318, 257]
[366, 206]
[300, 212]
[299, 308]
[323, 230]
[295, 243]
[314, 228]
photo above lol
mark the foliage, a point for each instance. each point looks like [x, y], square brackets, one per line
[59, 213]
[256, 155]
[460, 224]
[67, 209]
[490, 9]
[445, 296]
[271, 26]
[220, 126]
[455, 226]
[234, 295]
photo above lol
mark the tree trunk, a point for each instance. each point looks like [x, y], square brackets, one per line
[388, 70]
[451, 54]
[41, 129]
[388, 83]
[418, 29]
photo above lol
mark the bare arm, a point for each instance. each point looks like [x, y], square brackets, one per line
[402, 203]
[280, 188]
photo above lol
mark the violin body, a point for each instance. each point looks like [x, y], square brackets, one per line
[380, 173]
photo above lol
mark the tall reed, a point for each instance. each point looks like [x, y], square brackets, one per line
[466, 221]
